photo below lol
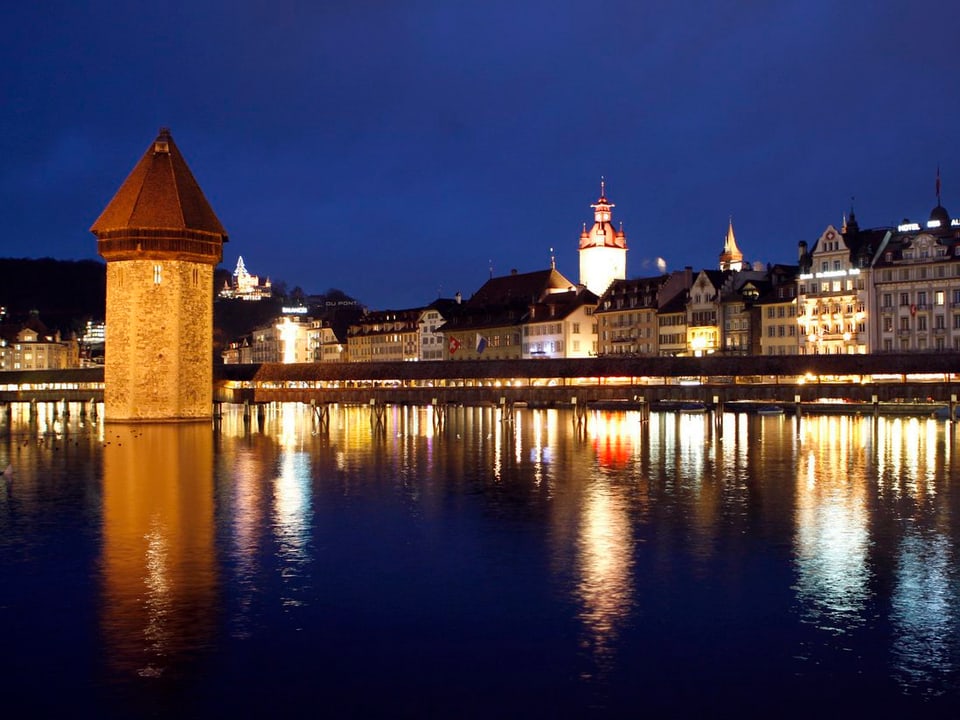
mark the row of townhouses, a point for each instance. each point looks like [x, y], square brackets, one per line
[888, 289]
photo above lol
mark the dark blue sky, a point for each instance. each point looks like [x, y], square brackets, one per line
[396, 149]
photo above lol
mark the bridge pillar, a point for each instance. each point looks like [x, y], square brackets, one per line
[953, 407]
[439, 413]
[378, 412]
[321, 415]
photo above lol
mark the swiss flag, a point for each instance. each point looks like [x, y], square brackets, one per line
[453, 345]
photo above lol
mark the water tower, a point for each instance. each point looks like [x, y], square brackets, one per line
[161, 241]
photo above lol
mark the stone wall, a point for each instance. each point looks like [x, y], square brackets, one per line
[159, 343]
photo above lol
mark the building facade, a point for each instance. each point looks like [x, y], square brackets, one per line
[385, 336]
[834, 295]
[916, 287]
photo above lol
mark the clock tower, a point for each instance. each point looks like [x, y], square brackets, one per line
[603, 250]
[161, 241]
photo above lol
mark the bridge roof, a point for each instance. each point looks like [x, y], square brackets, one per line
[714, 365]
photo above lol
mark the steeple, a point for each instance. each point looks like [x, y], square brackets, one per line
[731, 258]
[603, 248]
[850, 226]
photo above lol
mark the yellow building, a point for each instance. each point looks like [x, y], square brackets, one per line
[161, 240]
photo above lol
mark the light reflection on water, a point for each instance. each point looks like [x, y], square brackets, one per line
[832, 535]
[602, 546]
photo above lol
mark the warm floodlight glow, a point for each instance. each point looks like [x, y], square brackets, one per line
[288, 336]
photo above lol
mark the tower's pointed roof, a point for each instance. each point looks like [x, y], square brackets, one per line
[731, 253]
[603, 234]
[160, 193]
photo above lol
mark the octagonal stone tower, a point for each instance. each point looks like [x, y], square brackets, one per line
[161, 241]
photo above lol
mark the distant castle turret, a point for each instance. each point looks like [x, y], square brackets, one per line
[161, 240]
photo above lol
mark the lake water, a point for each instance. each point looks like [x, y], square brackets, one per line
[759, 567]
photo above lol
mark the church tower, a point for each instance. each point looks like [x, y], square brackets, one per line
[731, 258]
[603, 250]
[161, 241]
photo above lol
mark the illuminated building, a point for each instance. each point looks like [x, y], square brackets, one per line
[323, 343]
[283, 340]
[161, 240]
[833, 297]
[703, 309]
[777, 315]
[672, 326]
[916, 286]
[384, 335]
[91, 343]
[238, 352]
[489, 325]
[627, 315]
[292, 333]
[431, 319]
[603, 250]
[561, 325]
[31, 346]
[246, 286]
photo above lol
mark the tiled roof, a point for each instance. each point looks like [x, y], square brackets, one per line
[522, 288]
[160, 193]
[559, 305]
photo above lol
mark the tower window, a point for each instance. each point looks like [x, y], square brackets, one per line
[157, 274]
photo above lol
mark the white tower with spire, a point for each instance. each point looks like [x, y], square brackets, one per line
[603, 250]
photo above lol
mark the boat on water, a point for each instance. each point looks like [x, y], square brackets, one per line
[693, 408]
[770, 410]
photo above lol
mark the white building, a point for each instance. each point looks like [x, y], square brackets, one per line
[603, 250]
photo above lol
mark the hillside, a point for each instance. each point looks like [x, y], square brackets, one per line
[65, 293]
[68, 293]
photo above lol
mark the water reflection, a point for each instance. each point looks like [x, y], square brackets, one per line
[832, 524]
[604, 585]
[924, 612]
[291, 506]
[840, 533]
[158, 563]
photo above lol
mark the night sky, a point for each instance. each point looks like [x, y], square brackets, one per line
[397, 150]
